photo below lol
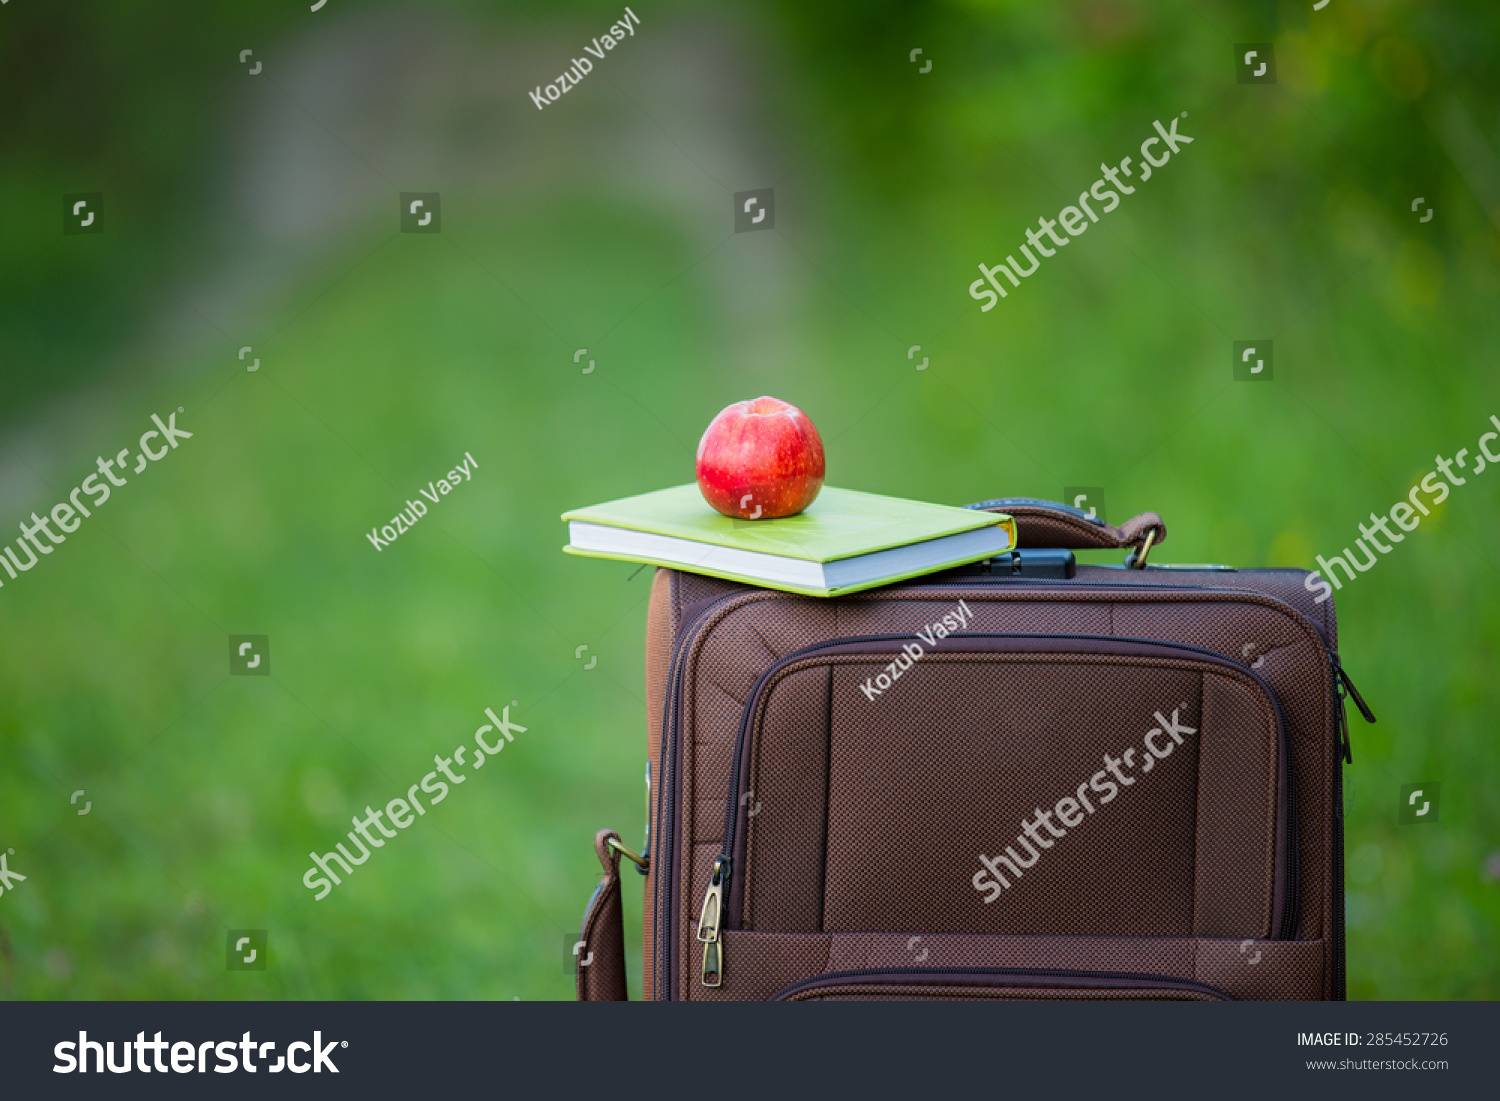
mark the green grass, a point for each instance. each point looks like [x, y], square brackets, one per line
[1110, 367]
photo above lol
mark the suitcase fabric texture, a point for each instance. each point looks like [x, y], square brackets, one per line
[982, 784]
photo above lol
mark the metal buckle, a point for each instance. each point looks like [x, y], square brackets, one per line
[641, 862]
[1137, 558]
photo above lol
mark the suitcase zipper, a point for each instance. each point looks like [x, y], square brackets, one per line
[983, 976]
[1338, 880]
[664, 835]
[1342, 686]
[711, 924]
[712, 913]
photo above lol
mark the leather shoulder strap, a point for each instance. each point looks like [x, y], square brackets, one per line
[601, 956]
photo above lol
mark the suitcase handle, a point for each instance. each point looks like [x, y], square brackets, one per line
[1053, 524]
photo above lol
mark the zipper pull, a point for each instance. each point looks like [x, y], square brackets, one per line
[1364, 708]
[1343, 687]
[710, 924]
[713, 963]
[646, 848]
[1344, 723]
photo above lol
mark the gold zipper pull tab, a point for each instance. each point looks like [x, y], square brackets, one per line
[713, 963]
[711, 923]
[711, 917]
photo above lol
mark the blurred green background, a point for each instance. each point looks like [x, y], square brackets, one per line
[261, 210]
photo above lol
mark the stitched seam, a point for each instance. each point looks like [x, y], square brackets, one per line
[1198, 803]
[827, 805]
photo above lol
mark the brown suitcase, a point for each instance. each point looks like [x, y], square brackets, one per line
[1125, 782]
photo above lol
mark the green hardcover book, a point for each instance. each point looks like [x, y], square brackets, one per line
[843, 542]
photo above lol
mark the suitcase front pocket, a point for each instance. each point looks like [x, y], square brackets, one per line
[995, 985]
[1007, 784]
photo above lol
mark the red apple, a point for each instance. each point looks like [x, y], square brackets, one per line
[760, 460]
